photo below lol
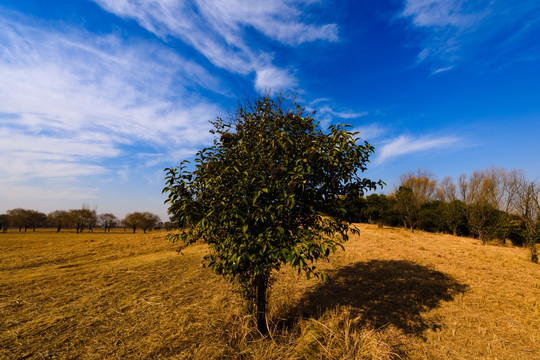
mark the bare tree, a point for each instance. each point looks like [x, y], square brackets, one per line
[479, 194]
[59, 219]
[415, 189]
[528, 206]
[84, 217]
[23, 218]
[108, 221]
[446, 190]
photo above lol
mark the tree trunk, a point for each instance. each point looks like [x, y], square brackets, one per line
[534, 252]
[261, 283]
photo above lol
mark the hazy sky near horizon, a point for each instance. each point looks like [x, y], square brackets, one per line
[98, 97]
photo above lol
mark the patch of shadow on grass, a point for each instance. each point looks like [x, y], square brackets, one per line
[383, 292]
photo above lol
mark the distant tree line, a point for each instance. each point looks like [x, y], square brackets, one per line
[490, 205]
[78, 219]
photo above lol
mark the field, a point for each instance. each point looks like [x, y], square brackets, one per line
[392, 295]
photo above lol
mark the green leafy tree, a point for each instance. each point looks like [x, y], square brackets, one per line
[377, 209]
[267, 193]
[455, 218]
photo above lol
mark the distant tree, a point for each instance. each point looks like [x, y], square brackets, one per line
[479, 194]
[528, 205]
[23, 218]
[415, 189]
[377, 209]
[455, 218]
[167, 225]
[141, 220]
[36, 218]
[446, 190]
[4, 223]
[408, 208]
[107, 221]
[148, 221]
[268, 192]
[432, 216]
[354, 208]
[59, 219]
[83, 217]
[131, 221]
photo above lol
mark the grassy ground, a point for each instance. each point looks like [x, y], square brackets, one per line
[392, 294]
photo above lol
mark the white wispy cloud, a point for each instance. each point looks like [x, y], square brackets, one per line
[217, 29]
[327, 112]
[274, 80]
[71, 101]
[371, 131]
[404, 145]
[455, 30]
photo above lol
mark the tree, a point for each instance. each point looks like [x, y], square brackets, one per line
[148, 221]
[480, 195]
[432, 216]
[23, 218]
[446, 190]
[415, 189]
[59, 219]
[454, 215]
[267, 193]
[4, 222]
[528, 205]
[378, 210]
[84, 217]
[36, 218]
[142, 220]
[131, 221]
[107, 221]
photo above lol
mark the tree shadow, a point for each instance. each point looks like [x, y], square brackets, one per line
[383, 292]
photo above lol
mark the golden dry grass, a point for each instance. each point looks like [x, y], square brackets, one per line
[392, 294]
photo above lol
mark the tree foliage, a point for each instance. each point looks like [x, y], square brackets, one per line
[107, 221]
[60, 219]
[141, 220]
[24, 219]
[268, 193]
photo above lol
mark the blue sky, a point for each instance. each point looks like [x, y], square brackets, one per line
[97, 97]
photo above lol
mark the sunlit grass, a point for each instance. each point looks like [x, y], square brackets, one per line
[392, 294]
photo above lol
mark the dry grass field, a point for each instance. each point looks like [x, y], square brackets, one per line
[392, 295]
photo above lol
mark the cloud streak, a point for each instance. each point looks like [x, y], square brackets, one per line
[70, 102]
[404, 145]
[218, 29]
[457, 31]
